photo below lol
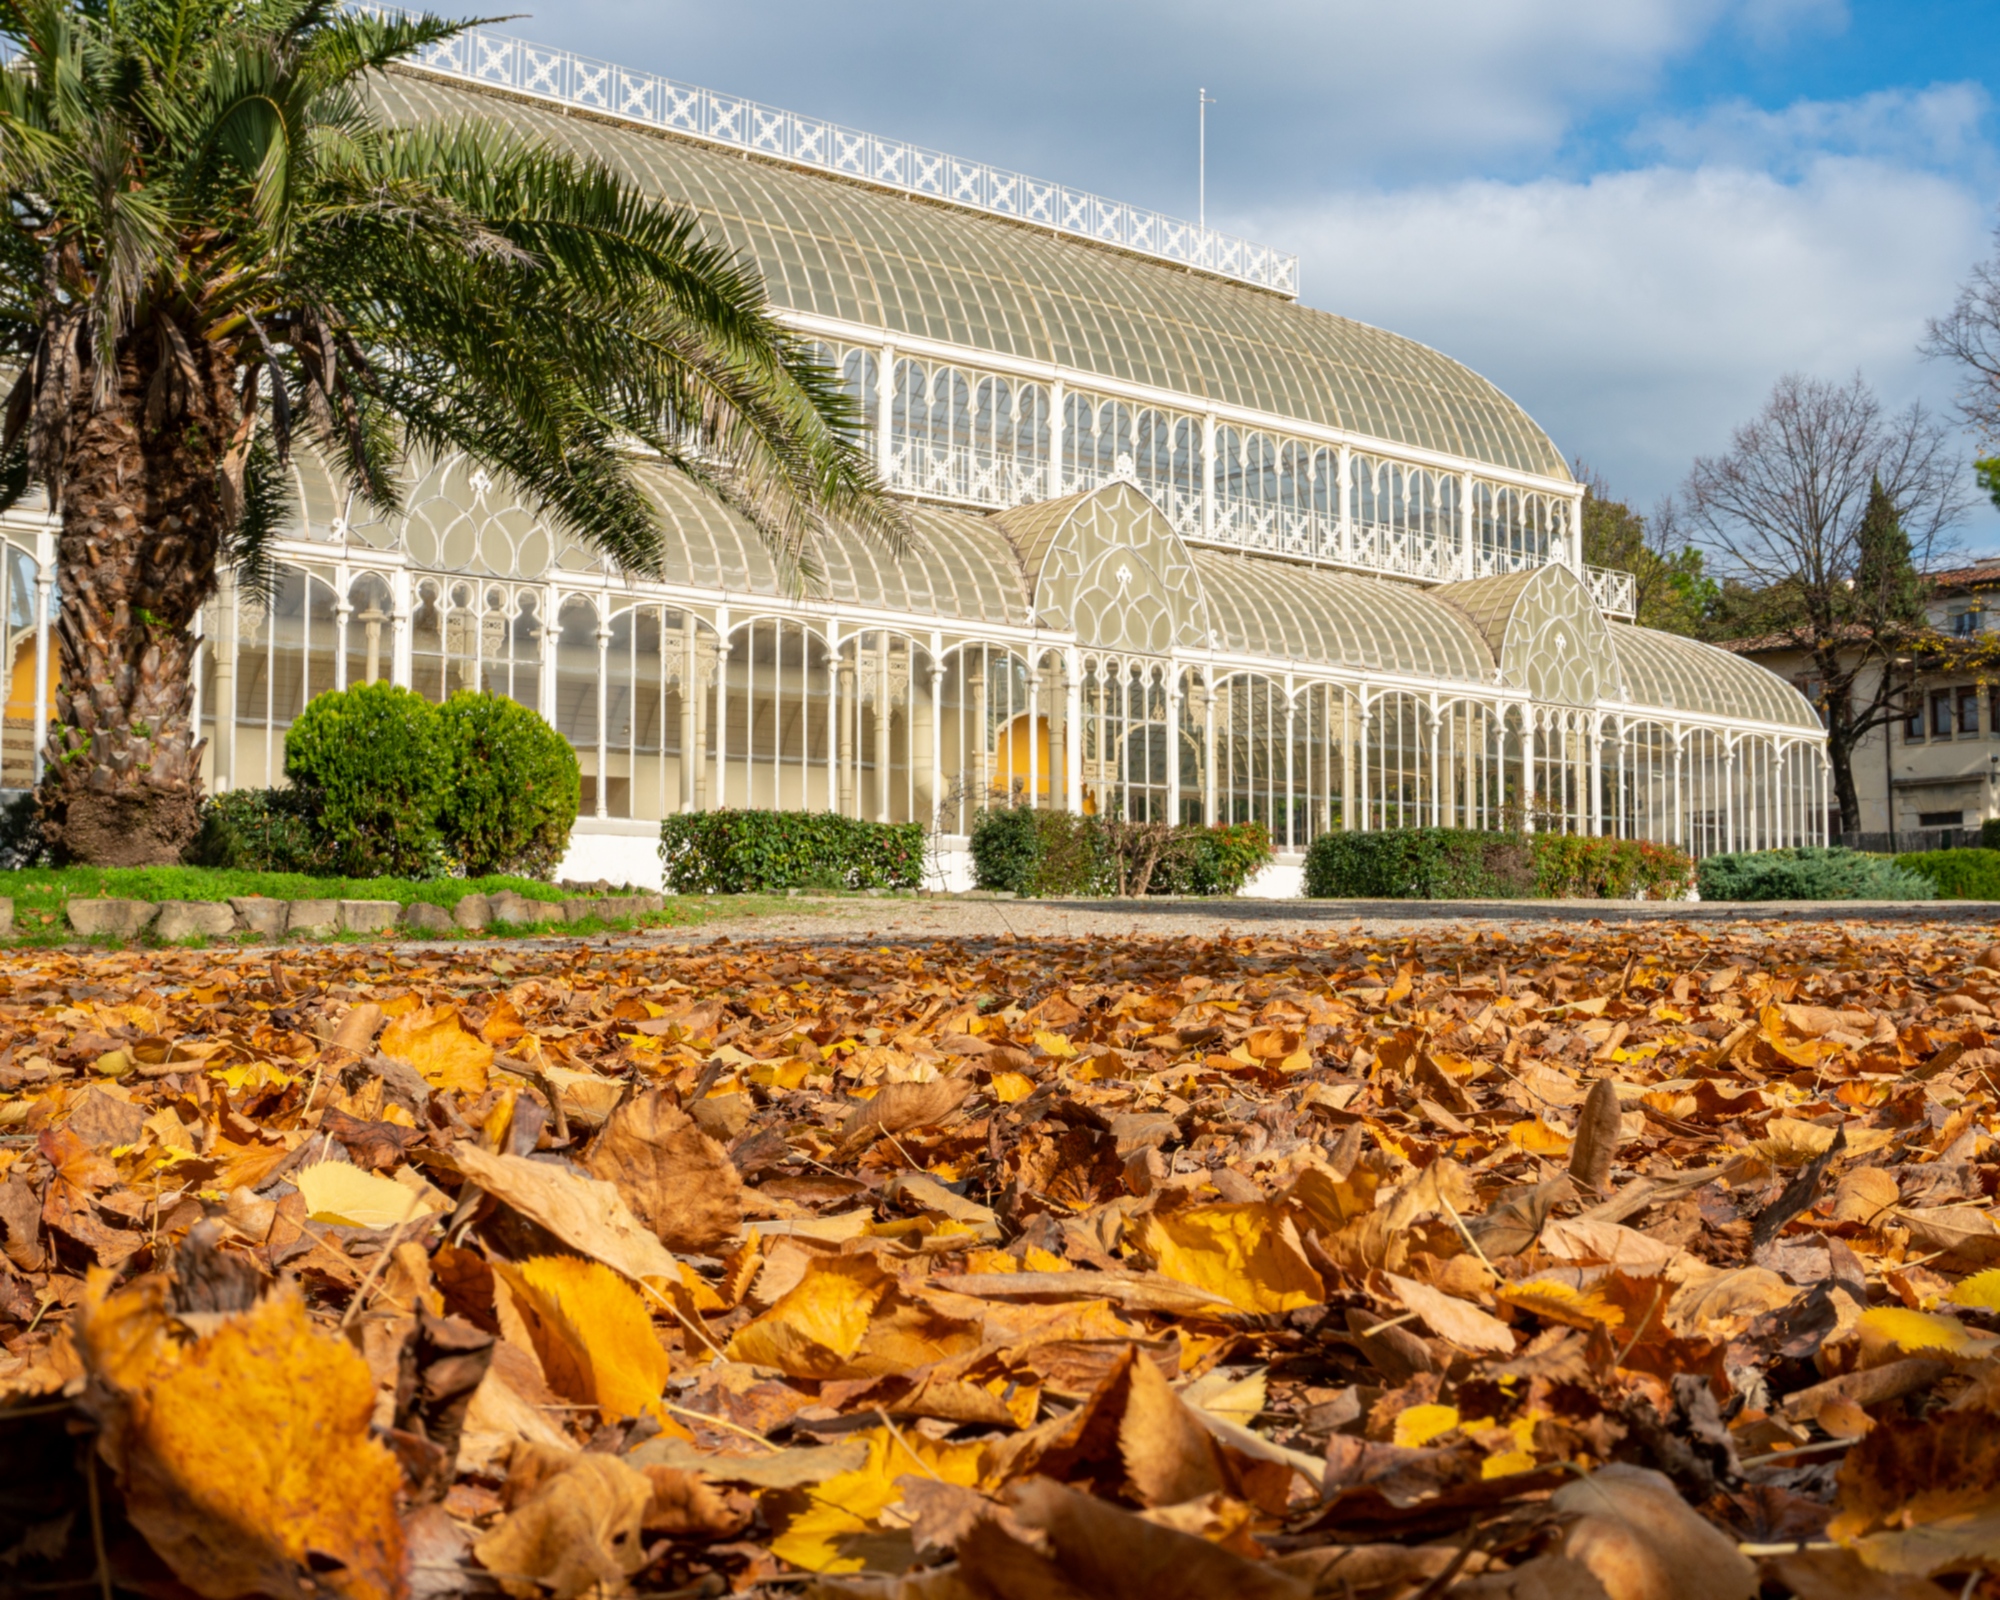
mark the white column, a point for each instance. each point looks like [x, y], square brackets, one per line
[1361, 724]
[1679, 830]
[1173, 743]
[885, 412]
[603, 716]
[402, 665]
[1057, 399]
[844, 699]
[1729, 798]
[225, 683]
[690, 697]
[1596, 773]
[883, 764]
[1034, 719]
[1073, 742]
[1466, 562]
[832, 716]
[1208, 517]
[1437, 787]
[722, 649]
[1346, 503]
[1528, 730]
[1291, 710]
[937, 728]
[342, 613]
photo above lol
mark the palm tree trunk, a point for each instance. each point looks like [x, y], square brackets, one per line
[142, 517]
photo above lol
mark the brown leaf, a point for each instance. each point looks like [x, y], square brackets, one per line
[1450, 1318]
[585, 1213]
[899, 1107]
[678, 1181]
[1642, 1542]
[1169, 1455]
[576, 1529]
[1597, 1137]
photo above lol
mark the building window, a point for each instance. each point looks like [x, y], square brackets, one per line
[1966, 622]
[1968, 710]
[1940, 819]
[1913, 720]
[1941, 714]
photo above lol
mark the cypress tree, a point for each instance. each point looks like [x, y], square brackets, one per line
[1886, 586]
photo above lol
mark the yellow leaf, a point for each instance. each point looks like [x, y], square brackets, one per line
[437, 1044]
[246, 1450]
[1010, 1087]
[1054, 1044]
[1507, 1463]
[1790, 1142]
[1036, 1259]
[1249, 1254]
[1890, 1329]
[780, 1074]
[592, 1332]
[1416, 1426]
[1538, 1138]
[1982, 1290]
[820, 1322]
[834, 1528]
[1560, 1303]
[339, 1192]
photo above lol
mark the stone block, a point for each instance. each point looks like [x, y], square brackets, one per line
[188, 919]
[317, 917]
[473, 912]
[6, 914]
[122, 919]
[581, 909]
[368, 916]
[420, 916]
[507, 906]
[255, 914]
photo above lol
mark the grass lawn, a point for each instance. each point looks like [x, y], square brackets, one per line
[40, 893]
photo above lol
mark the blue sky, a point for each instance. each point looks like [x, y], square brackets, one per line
[1632, 215]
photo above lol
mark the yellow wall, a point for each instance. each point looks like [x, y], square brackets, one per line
[21, 682]
[1011, 760]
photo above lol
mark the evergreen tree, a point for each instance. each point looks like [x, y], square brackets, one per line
[1886, 586]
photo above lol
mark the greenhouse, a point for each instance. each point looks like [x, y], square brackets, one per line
[1180, 547]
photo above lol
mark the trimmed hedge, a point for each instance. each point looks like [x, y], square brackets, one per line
[1811, 872]
[758, 852]
[1463, 864]
[1958, 874]
[514, 787]
[375, 759]
[1052, 853]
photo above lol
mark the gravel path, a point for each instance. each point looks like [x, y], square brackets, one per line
[888, 921]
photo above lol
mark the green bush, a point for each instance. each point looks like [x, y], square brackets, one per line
[514, 786]
[1460, 864]
[1572, 867]
[1420, 864]
[374, 759]
[1054, 853]
[1989, 834]
[1958, 874]
[1811, 872]
[758, 852]
[261, 830]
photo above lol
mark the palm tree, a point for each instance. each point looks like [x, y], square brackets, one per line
[216, 242]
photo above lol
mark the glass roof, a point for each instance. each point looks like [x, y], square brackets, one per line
[836, 248]
[1319, 618]
[1663, 669]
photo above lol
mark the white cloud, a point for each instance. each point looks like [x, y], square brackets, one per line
[1639, 315]
[1943, 126]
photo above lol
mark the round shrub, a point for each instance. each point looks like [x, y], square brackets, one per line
[513, 789]
[1810, 872]
[374, 759]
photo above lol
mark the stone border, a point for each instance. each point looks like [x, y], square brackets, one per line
[185, 919]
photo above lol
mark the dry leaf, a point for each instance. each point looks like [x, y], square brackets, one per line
[1463, 1324]
[1247, 1254]
[1597, 1137]
[245, 1456]
[585, 1213]
[677, 1180]
[1641, 1541]
[578, 1532]
[592, 1333]
[438, 1045]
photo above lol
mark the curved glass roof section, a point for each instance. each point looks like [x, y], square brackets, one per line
[835, 248]
[1665, 670]
[1336, 619]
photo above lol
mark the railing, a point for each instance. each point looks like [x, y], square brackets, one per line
[965, 473]
[562, 76]
[1616, 593]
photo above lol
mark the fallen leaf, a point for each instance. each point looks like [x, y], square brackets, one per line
[677, 1180]
[436, 1043]
[592, 1332]
[1641, 1541]
[585, 1213]
[1248, 1254]
[1450, 1318]
[578, 1532]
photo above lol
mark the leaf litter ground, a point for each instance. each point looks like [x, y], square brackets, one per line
[1630, 1263]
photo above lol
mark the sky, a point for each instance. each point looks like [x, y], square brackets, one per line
[1631, 215]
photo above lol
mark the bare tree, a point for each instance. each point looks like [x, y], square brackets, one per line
[1970, 335]
[1824, 509]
